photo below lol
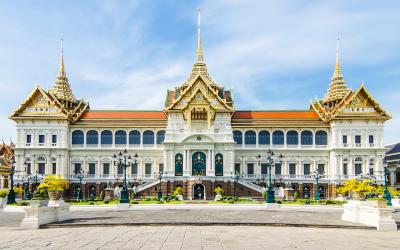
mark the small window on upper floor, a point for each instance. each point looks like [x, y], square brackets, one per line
[28, 138]
[371, 139]
[344, 140]
[41, 139]
[54, 139]
[357, 139]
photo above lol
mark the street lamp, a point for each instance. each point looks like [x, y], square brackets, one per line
[159, 176]
[11, 193]
[271, 160]
[80, 175]
[124, 160]
[27, 193]
[317, 175]
[386, 175]
[237, 177]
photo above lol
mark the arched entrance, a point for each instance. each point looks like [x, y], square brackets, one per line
[199, 163]
[198, 192]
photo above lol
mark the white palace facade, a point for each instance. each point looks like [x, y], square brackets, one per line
[200, 140]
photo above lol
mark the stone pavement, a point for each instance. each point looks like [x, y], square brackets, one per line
[205, 215]
[197, 237]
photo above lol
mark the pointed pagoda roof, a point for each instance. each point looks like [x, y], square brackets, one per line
[61, 89]
[199, 66]
[337, 88]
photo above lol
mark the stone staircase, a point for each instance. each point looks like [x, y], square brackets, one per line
[145, 186]
[252, 186]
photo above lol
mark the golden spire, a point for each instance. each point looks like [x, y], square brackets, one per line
[62, 70]
[337, 88]
[199, 53]
[61, 88]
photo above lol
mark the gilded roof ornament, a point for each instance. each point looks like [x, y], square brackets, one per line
[337, 88]
[61, 89]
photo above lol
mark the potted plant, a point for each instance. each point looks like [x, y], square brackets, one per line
[56, 186]
[3, 197]
[219, 193]
[178, 193]
[40, 196]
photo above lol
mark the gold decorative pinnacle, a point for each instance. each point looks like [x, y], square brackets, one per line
[61, 89]
[337, 88]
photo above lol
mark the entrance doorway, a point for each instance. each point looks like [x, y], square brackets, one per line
[198, 192]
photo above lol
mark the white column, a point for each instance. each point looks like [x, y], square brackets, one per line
[209, 160]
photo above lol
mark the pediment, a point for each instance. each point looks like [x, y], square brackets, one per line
[362, 103]
[198, 138]
[199, 91]
[38, 104]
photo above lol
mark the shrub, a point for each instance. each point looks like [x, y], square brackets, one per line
[279, 202]
[56, 182]
[134, 202]
[23, 203]
[106, 201]
[102, 194]
[91, 203]
[178, 191]
[219, 190]
[296, 195]
[18, 190]
[41, 192]
[3, 193]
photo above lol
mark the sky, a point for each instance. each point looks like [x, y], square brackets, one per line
[272, 54]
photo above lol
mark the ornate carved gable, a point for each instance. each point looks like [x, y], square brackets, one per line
[44, 105]
[361, 103]
[39, 104]
[357, 104]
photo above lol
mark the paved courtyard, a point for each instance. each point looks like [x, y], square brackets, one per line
[197, 237]
[207, 227]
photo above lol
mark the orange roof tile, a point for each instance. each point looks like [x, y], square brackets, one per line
[124, 115]
[275, 115]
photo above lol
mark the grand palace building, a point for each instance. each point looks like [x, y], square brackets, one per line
[200, 139]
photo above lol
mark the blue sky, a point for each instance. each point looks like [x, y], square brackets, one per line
[273, 54]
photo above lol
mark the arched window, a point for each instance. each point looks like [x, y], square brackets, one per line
[250, 137]
[292, 138]
[321, 138]
[219, 165]
[306, 138]
[277, 137]
[264, 138]
[134, 137]
[237, 136]
[120, 137]
[77, 137]
[106, 137]
[160, 136]
[148, 137]
[178, 164]
[92, 137]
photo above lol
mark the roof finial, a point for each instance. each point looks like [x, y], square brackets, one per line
[337, 65]
[62, 69]
[199, 54]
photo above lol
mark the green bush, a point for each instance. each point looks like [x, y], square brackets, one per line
[106, 201]
[296, 195]
[23, 203]
[91, 203]
[134, 202]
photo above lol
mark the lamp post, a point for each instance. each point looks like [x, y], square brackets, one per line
[386, 193]
[237, 177]
[317, 175]
[80, 175]
[124, 160]
[159, 176]
[271, 160]
[11, 193]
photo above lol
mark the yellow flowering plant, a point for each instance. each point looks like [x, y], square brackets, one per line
[56, 182]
